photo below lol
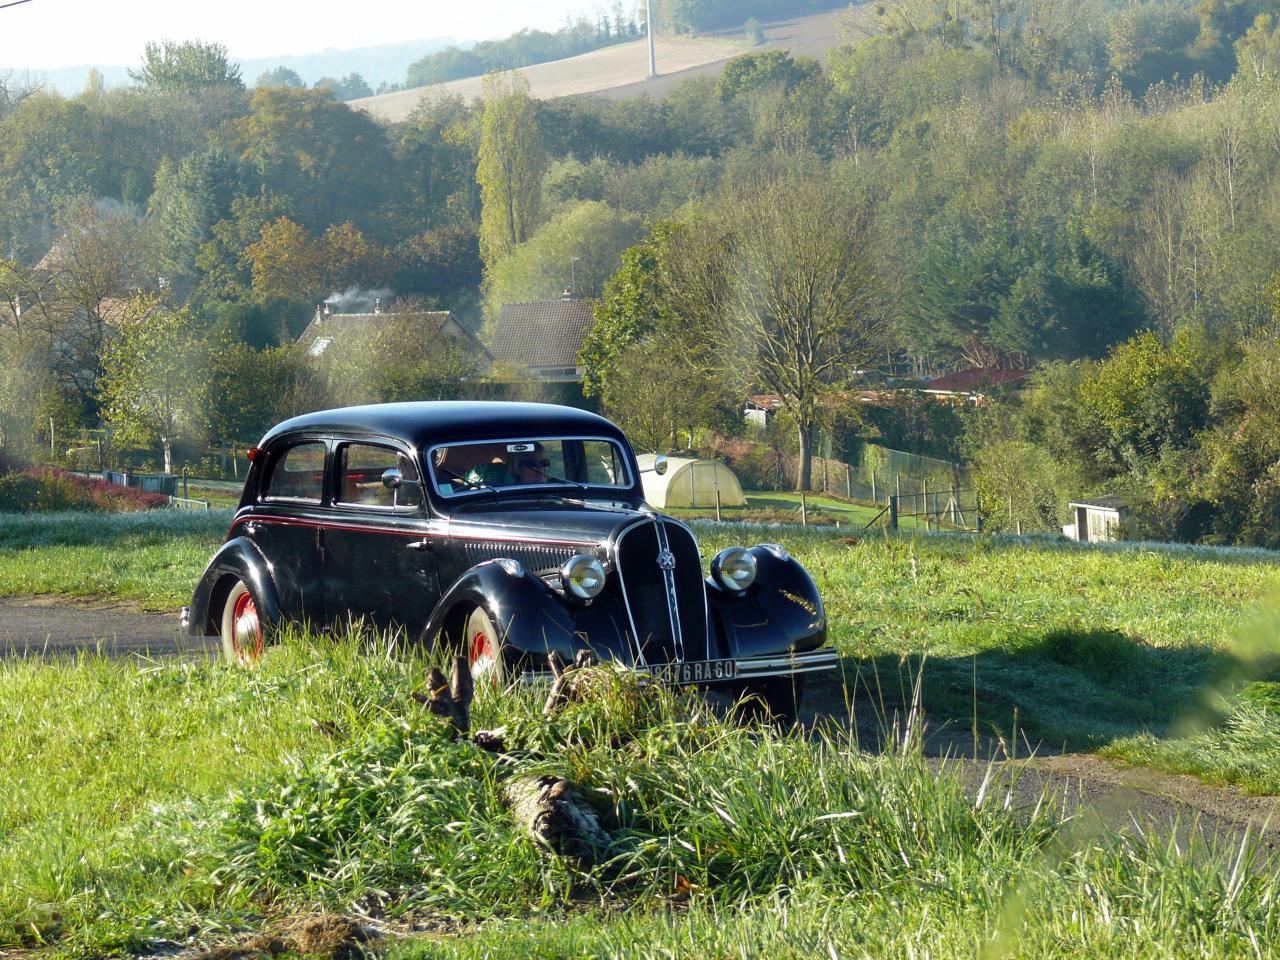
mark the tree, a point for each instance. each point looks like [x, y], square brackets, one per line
[329, 162]
[101, 261]
[350, 87]
[804, 311]
[652, 396]
[1258, 51]
[630, 308]
[286, 262]
[226, 274]
[511, 165]
[154, 378]
[580, 247]
[280, 77]
[187, 202]
[170, 66]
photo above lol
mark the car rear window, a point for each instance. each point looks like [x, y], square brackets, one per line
[298, 474]
[360, 470]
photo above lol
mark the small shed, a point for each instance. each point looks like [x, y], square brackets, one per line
[1097, 520]
[690, 483]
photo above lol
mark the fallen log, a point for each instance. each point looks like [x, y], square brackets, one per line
[555, 816]
[549, 808]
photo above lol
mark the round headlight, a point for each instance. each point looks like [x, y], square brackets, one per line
[734, 568]
[582, 576]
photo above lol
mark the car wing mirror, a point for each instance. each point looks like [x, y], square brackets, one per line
[659, 466]
[393, 479]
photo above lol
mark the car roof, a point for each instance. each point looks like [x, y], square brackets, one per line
[425, 423]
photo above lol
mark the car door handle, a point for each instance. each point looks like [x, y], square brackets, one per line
[418, 545]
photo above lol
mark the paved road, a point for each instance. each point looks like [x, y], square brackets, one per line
[39, 627]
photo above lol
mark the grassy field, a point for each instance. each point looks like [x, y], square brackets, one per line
[178, 800]
[142, 800]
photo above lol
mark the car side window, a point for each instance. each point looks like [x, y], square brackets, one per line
[360, 469]
[298, 474]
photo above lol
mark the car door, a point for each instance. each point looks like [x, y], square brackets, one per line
[380, 563]
[286, 525]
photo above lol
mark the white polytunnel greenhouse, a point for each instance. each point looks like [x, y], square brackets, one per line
[690, 483]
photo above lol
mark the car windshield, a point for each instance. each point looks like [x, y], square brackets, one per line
[523, 464]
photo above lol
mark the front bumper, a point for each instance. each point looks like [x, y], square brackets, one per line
[787, 664]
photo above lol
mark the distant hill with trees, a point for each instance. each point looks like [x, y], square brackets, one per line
[1083, 187]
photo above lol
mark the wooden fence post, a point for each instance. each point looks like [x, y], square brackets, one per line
[717, 505]
[893, 512]
[804, 510]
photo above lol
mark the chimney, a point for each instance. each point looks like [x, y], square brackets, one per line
[377, 304]
[568, 294]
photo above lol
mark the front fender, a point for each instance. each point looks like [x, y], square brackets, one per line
[531, 618]
[782, 612]
[237, 559]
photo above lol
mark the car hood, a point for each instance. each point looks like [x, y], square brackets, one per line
[545, 520]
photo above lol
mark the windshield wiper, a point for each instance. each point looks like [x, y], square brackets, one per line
[573, 483]
[468, 484]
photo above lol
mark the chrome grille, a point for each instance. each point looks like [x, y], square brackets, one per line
[651, 603]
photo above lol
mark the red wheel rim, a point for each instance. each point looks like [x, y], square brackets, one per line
[482, 654]
[246, 629]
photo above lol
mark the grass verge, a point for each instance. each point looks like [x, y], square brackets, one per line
[171, 800]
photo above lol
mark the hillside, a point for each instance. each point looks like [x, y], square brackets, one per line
[622, 71]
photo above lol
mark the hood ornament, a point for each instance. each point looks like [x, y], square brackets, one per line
[666, 560]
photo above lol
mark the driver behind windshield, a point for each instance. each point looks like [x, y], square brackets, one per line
[528, 466]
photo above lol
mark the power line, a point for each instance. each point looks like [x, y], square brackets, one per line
[13, 3]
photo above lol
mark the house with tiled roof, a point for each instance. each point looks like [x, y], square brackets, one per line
[973, 385]
[328, 328]
[542, 339]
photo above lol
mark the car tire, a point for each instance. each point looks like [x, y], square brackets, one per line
[779, 697]
[483, 648]
[243, 638]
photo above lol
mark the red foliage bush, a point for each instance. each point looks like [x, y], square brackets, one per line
[41, 490]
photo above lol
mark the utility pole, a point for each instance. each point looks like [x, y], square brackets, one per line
[648, 28]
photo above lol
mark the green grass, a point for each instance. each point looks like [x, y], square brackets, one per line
[158, 800]
[1138, 649]
[152, 558]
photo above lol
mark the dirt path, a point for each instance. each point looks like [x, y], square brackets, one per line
[1095, 793]
[55, 626]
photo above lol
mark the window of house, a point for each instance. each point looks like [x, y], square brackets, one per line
[298, 474]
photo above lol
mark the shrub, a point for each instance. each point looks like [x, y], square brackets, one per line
[45, 490]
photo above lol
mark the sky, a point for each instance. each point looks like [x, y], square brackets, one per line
[47, 34]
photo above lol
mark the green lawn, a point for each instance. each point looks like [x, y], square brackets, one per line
[173, 799]
[142, 798]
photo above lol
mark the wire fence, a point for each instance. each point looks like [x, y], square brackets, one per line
[883, 472]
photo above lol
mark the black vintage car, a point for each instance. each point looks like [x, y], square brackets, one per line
[507, 530]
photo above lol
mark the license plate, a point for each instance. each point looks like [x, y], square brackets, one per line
[699, 671]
